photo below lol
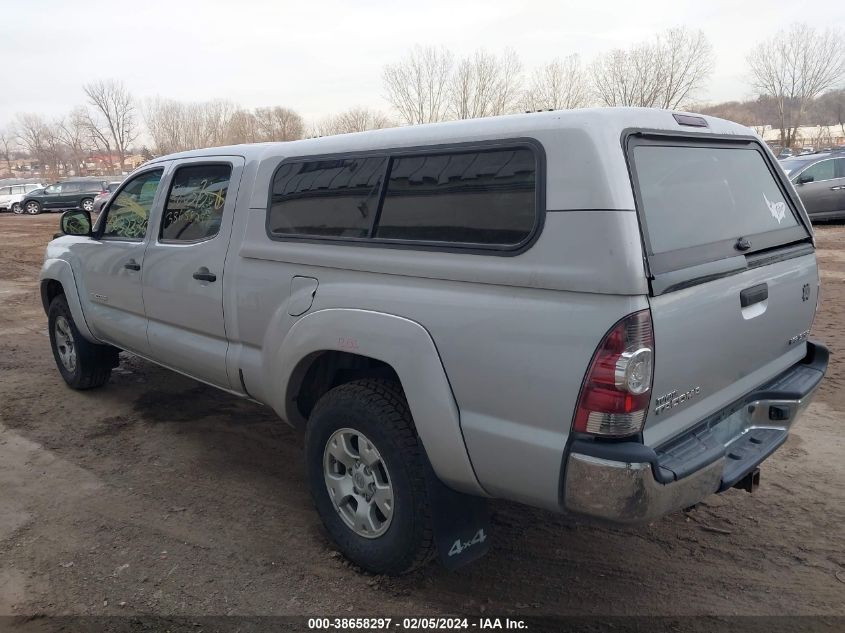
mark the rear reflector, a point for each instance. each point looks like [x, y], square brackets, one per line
[617, 388]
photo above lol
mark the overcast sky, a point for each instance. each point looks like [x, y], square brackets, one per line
[322, 56]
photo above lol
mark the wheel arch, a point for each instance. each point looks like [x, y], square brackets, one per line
[57, 278]
[323, 344]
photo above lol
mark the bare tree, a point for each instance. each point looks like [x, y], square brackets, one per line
[113, 115]
[242, 128]
[794, 67]
[32, 136]
[278, 124]
[74, 134]
[165, 125]
[356, 119]
[561, 84]
[830, 109]
[8, 143]
[485, 84]
[418, 86]
[687, 61]
[660, 74]
[175, 126]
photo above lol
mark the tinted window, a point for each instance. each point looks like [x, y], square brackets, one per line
[824, 170]
[698, 195]
[129, 212]
[195, 203]
[840, 167]
[482, 197]
[71, 187]
[337, 198]
[113, 186]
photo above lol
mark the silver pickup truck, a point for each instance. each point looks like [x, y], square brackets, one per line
[602, 312]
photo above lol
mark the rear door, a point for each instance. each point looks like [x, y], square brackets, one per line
[183, 268]
[732, 270]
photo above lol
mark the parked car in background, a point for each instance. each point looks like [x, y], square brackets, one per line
[11, 196]
[785, 153]
[807, 150]
[69, 194]
[104, 196]
[819, 180]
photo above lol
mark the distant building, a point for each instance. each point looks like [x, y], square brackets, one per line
[815, 136]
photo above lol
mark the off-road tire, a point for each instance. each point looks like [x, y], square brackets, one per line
[378, 409]
[93, 362]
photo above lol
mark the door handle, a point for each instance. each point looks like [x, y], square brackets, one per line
[754, 294]
[203, 274]
[132, 265]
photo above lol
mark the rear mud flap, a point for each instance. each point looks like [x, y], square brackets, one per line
[461, 524]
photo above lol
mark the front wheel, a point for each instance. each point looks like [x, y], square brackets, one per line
[367, 473]
[82, 364]
[88, 205]
[33, 208]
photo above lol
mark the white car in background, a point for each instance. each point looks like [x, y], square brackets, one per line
[11, 196]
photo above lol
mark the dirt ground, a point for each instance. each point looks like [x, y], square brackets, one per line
[158, 495]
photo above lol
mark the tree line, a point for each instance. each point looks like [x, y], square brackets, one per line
[794, 76]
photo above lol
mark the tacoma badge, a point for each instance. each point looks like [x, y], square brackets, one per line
[673, 399]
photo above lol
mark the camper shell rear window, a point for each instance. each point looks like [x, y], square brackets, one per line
[704, 200]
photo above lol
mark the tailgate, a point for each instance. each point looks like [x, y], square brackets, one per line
[733, 274]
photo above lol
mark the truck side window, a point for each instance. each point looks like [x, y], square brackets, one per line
[195, 203]
[327, 198]
[481, 197]
[129, 213]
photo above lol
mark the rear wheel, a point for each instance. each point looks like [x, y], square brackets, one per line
[33, 208]
[16, 208]
[366, 469]
[82, 364]
[88, 204]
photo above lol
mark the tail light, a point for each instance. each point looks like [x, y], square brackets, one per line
[617, 388]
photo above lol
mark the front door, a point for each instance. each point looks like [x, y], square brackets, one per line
[52, 197]
[111, 264]
[183, 268]
[814, 186]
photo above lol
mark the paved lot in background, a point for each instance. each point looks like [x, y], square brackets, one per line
[159, 495]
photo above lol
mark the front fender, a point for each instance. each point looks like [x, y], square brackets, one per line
[60, 270]
[406, 346]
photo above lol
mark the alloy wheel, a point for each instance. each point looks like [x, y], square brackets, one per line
[358, 483]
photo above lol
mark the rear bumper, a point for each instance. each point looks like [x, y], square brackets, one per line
[628, 482]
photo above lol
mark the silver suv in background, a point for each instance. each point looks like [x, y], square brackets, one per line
[11, 196]
[104, 196]
[819, 180]
[604, 312]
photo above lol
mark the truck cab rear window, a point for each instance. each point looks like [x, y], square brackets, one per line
[697, 195]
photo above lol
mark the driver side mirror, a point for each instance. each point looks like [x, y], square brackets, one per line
[803, 179]
[76, 222]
